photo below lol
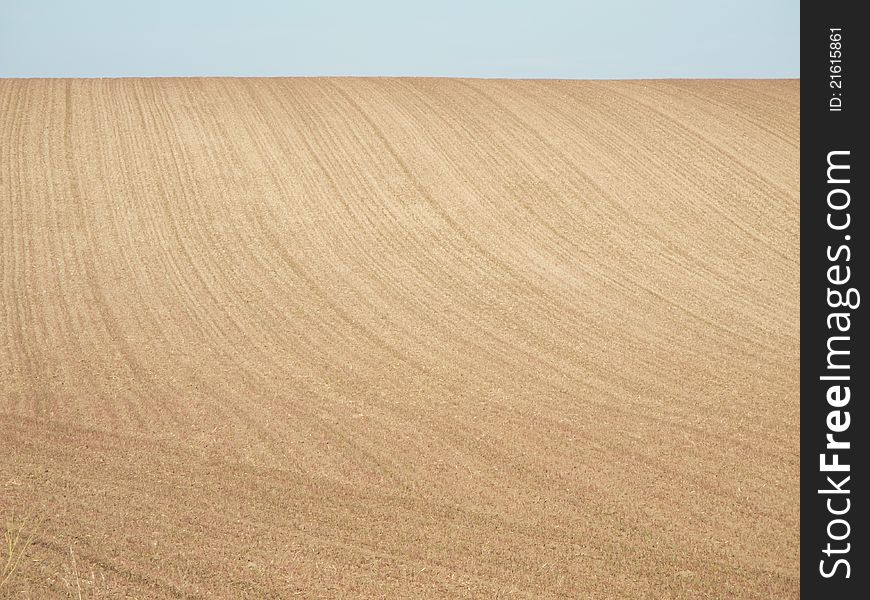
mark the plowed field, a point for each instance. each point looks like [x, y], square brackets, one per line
[400, 338]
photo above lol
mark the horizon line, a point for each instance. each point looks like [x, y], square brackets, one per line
[688, 78]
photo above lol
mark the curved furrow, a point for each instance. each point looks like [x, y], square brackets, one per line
[753, 185]
[566, 307]
[634, 283]
[658, 182]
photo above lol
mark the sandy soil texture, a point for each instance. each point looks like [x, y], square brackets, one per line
[400, 338]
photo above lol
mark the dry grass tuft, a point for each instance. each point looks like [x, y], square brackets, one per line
[18, 535]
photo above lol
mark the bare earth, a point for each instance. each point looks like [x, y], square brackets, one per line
[400, 338]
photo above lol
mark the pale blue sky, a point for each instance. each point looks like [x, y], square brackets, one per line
[492, 38]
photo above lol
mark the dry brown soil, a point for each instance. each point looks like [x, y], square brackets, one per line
[400, 338]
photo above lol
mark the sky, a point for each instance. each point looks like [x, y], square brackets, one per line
[619, 39]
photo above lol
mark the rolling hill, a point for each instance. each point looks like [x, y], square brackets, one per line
[401, 338]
